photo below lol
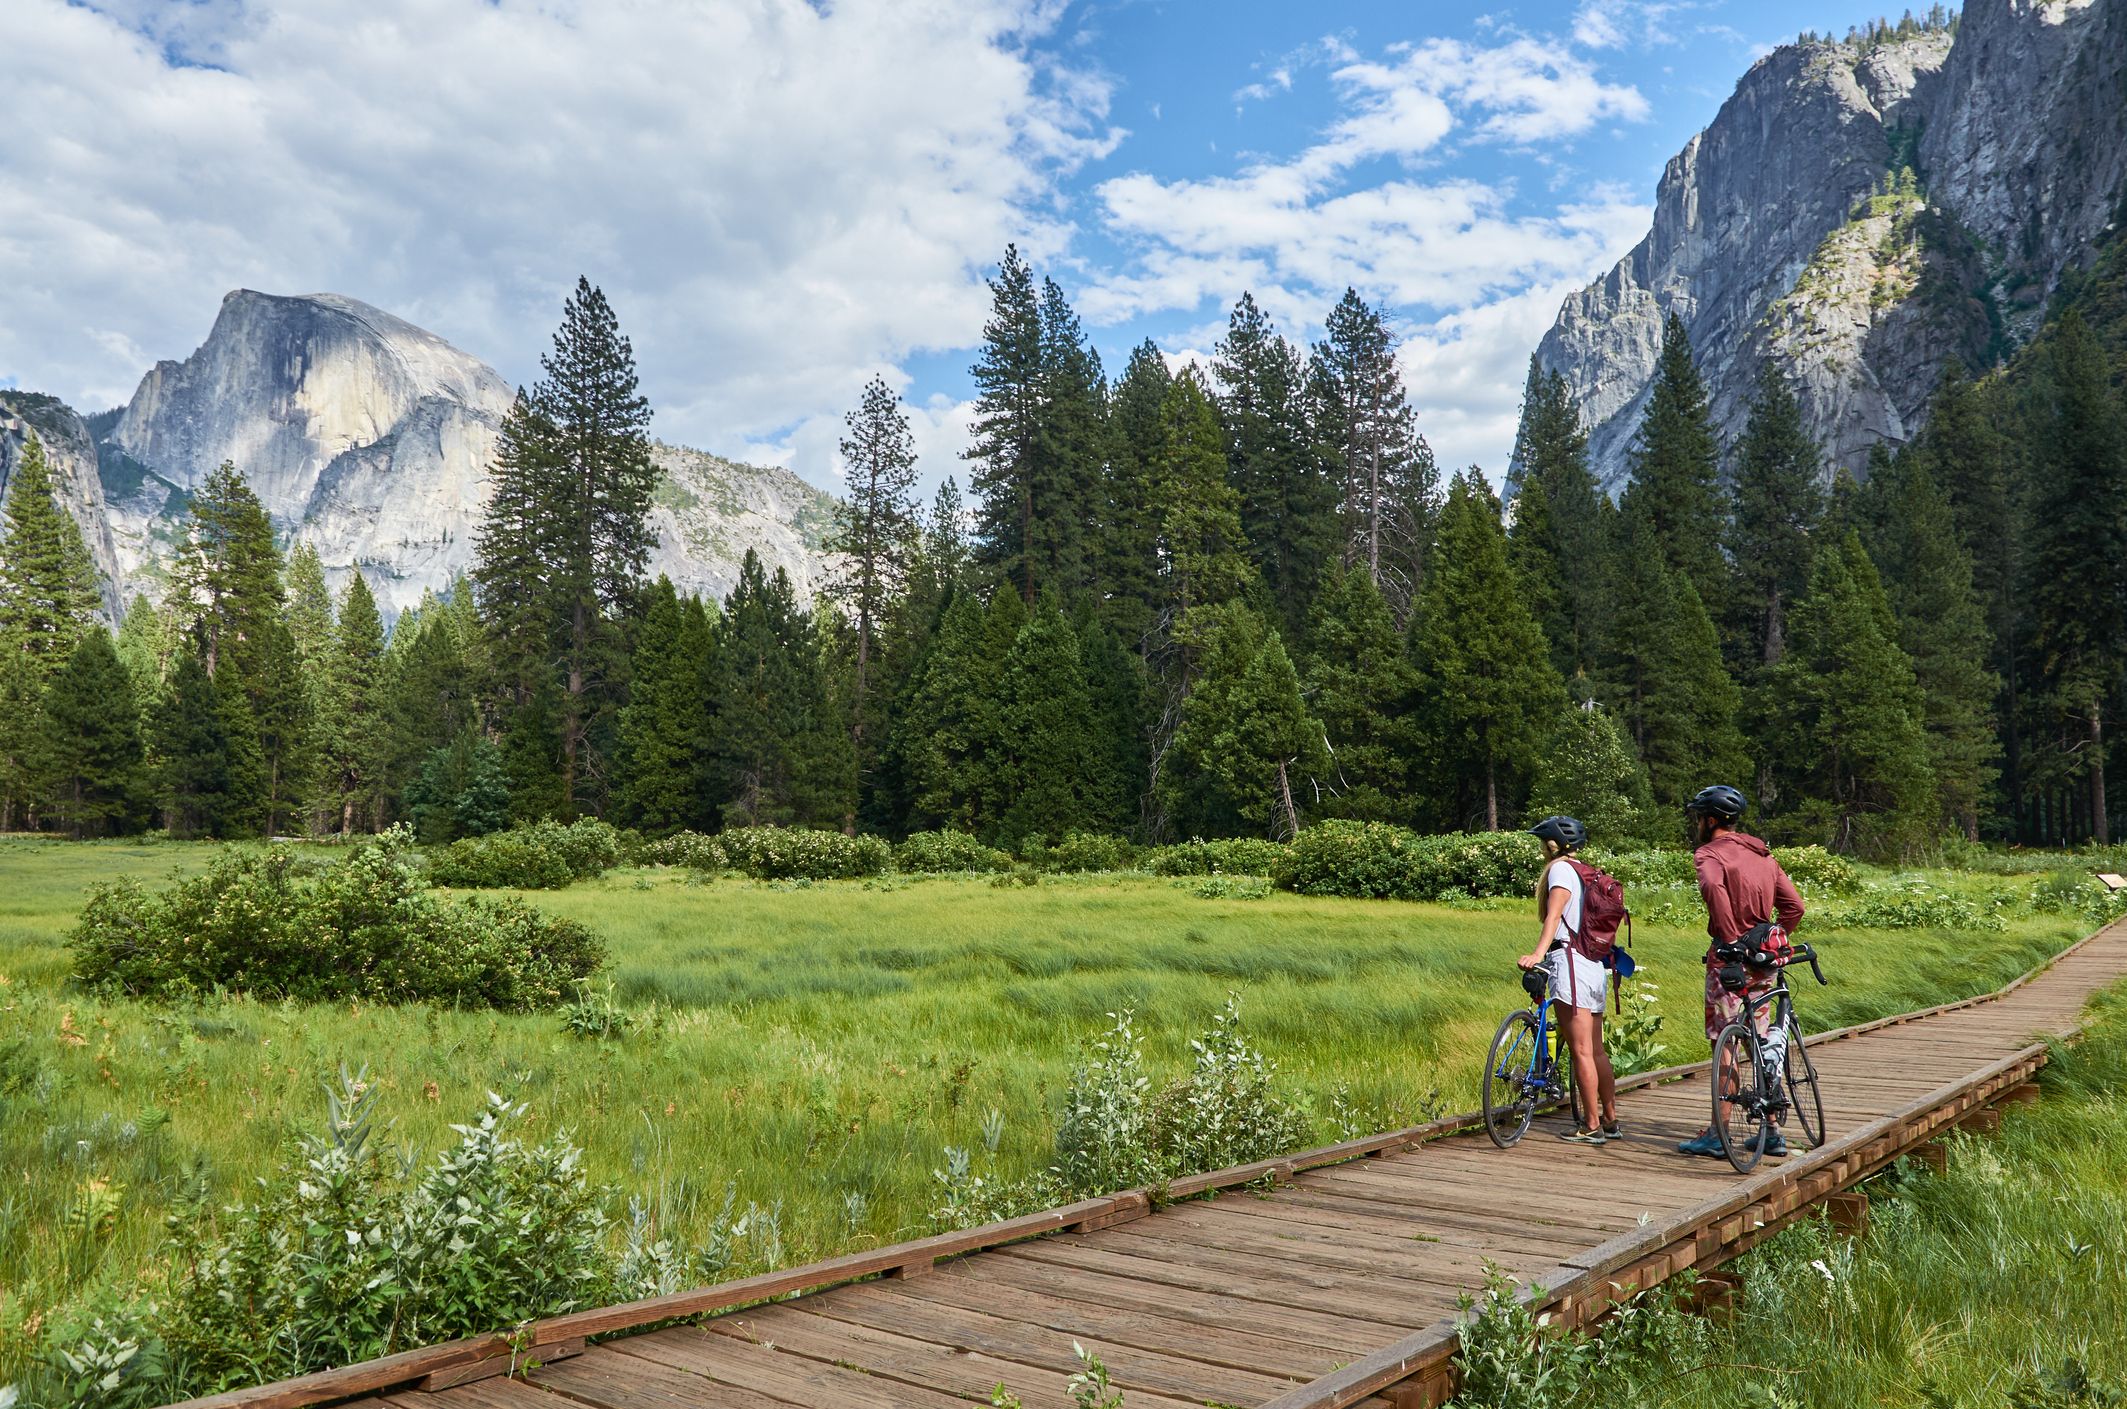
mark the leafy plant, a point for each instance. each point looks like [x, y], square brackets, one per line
[1632, 1034]
[1813, 868]
[1229, 887]
[593, 1013]
[1232, 856]
[801, 853]
[1078, 851]
[541, 856]
[691, 849]
[940, 852]
[1914, 905]
[370, 927]
[1376, 860]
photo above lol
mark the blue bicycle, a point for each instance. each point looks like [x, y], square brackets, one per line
[1528, 1067]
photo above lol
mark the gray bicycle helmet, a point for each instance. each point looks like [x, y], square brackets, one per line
[1719, 801]
[1566, 831]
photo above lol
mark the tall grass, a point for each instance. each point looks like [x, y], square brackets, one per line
[812, 1047]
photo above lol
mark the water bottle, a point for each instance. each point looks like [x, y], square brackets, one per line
[1773, 1052]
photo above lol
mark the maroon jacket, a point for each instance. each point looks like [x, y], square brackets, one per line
[1743, 886]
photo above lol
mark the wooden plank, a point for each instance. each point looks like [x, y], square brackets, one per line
[793, 1379]
[1386, 1303]
[608, 1379]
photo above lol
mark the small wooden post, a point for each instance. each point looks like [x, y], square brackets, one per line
[1984, 1121]
[2018, 1095]
[1849, 1213]
[1430, 1388]
[1933, 1154]
[1713, 1295]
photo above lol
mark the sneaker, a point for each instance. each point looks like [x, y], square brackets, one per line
[1704, 1143]
[1776, 1147]
[1583, 1137]
[1613, 1131]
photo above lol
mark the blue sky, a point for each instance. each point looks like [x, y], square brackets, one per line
[782, 198]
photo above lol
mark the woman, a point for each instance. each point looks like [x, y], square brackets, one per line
[1577, 982]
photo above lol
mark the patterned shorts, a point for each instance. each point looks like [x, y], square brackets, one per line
[1723, 1007]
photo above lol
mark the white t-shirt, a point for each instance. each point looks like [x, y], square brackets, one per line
[1562, 876]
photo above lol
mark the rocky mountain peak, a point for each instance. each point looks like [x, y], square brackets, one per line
[1860, 280]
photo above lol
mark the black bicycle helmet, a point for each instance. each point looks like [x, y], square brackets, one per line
[1566, 831]
[1719, 801]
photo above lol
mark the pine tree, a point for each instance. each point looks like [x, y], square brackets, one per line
[1245, 745]
[824, 782]
[947, 734]
[47, 580]
[279, 695]
[1675, 474]
[1778, 471]
[597, 511]
[310, 629]
[192, 746]
[1130, 562]
[1287, 508]
[667, 724]
[1847, 714]
[1116, 687]
[1589, 771]
[1049, 767]
[1559, 545]
[426, 695]
[516, 548]
[1200, 523]
[875, 533]
[1006, 431]
[1364, 431]
[89, 758]
[21, 707]
[1361, 684]
[355, 754]
[461, 790]
[2078, 565]
[1942, 627]
[1665, 676]
[226, 580]
[1071, 450]
[1487, 691]
[762, 700]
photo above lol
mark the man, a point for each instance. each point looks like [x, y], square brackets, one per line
[1743, 886]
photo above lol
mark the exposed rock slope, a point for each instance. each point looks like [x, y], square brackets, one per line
[370, 439]
[71, 452]
[1785, 230]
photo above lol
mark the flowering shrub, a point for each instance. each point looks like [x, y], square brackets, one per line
[369, 927]
[799, 853]
[1915, 905]
[938, 852]
[1375, 860]
[1815, 869]
[1235, 856]
[541, 856]
[2074, 892]
[690, 849]
[1078, 851]
[1644, 868]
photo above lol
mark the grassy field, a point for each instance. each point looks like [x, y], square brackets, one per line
[813, 1047]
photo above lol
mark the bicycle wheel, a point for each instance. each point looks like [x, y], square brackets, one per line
[1802, 1092]
[1562, 1078]
[1739, 1108]
[1510, 1085]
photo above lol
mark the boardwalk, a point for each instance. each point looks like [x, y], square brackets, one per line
[1339, 1287]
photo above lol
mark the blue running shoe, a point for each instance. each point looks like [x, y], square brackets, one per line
[1776, 1147]
[1704, 1143]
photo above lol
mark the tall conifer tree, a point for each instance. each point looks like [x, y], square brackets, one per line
[1488, 694]
[1675, 472]
[355, 754]
[1778, 498]
[47, 580]
[1365, 432]
[1006, 431]
[1287, 508]
[1201, 549]
[875, 532]
[1051, 771]
[1246, 746]
[667, 724]
[1559, 544]
[89, 761]
[1360, 683]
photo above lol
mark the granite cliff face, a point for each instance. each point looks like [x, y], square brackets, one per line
[1788, 231]
[370, 439]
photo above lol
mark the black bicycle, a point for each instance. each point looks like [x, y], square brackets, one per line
[1528, 1065]
[1758, 1081]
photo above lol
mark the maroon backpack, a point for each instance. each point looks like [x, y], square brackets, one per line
[1602, 910]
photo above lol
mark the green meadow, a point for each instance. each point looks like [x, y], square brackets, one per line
[809, 1048]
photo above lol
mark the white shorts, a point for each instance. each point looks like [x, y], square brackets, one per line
[1587, 984]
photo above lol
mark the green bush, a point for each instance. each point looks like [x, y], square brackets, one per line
[2078, 892]
[541, 856]
[1815, 869]
[1914, 905]
[935, 853]
[1378, 861]
[369, 927]
[690, 849]
[1644, 868]
[1078, 851]
[1234, 856]
[799, 853]
[338, 1258]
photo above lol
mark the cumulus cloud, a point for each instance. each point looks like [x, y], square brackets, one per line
[779, 198]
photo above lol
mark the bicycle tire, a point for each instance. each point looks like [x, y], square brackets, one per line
[1744, 1128]
[1562, 1064]
[1509, 1103]
[1803, 1094]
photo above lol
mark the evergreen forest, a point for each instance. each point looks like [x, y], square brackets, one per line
[1211, 600]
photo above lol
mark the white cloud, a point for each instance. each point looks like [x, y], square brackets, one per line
[779, 198]
[1464, 373]
[1616, 24]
